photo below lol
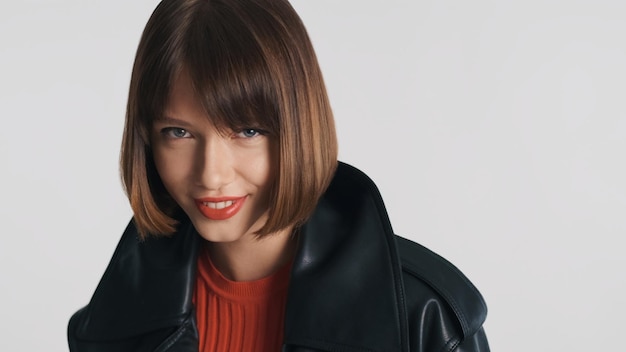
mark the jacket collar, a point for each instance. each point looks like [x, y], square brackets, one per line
[345, 289]
[147, 286]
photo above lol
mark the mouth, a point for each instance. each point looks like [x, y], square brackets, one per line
[219, 208]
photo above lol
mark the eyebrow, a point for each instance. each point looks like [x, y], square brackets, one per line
[172, 120]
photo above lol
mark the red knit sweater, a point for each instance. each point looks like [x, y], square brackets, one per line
[239, 316]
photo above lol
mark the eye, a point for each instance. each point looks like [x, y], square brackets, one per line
[175, 132]
[249, 133]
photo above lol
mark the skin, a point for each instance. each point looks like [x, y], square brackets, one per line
[195, 161]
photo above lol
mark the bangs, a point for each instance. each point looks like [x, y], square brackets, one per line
[229, 71]
[229, 50]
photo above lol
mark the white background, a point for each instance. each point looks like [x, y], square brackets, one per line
[496, 132]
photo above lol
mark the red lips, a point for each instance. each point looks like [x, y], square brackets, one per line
[219, 208]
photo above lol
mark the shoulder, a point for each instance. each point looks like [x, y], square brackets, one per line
[430, 274]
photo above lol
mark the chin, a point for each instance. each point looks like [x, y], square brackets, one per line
[229, 230]
[213, 234]
[218, 230]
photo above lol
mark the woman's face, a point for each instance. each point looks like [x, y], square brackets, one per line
[221, 180]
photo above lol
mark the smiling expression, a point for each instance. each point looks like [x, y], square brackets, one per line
[222, 179]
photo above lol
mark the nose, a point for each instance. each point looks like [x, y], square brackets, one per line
[214, 163]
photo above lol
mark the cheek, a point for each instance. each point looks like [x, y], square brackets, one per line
[266, 178]
[263, 166]
[171, 170]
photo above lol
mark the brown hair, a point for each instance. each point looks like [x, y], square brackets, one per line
[251, 63]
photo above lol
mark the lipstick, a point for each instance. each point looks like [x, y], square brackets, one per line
[219, 208]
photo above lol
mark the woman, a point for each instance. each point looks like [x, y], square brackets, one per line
[248, 234]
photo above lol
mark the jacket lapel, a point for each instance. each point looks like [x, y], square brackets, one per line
[346, 289]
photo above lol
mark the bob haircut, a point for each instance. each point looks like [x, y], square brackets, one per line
[251, 64]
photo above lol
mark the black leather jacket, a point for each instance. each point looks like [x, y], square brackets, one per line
[354, 286]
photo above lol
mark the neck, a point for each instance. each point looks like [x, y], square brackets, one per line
[249, 258]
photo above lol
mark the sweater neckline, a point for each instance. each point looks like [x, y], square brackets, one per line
[242, 291]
